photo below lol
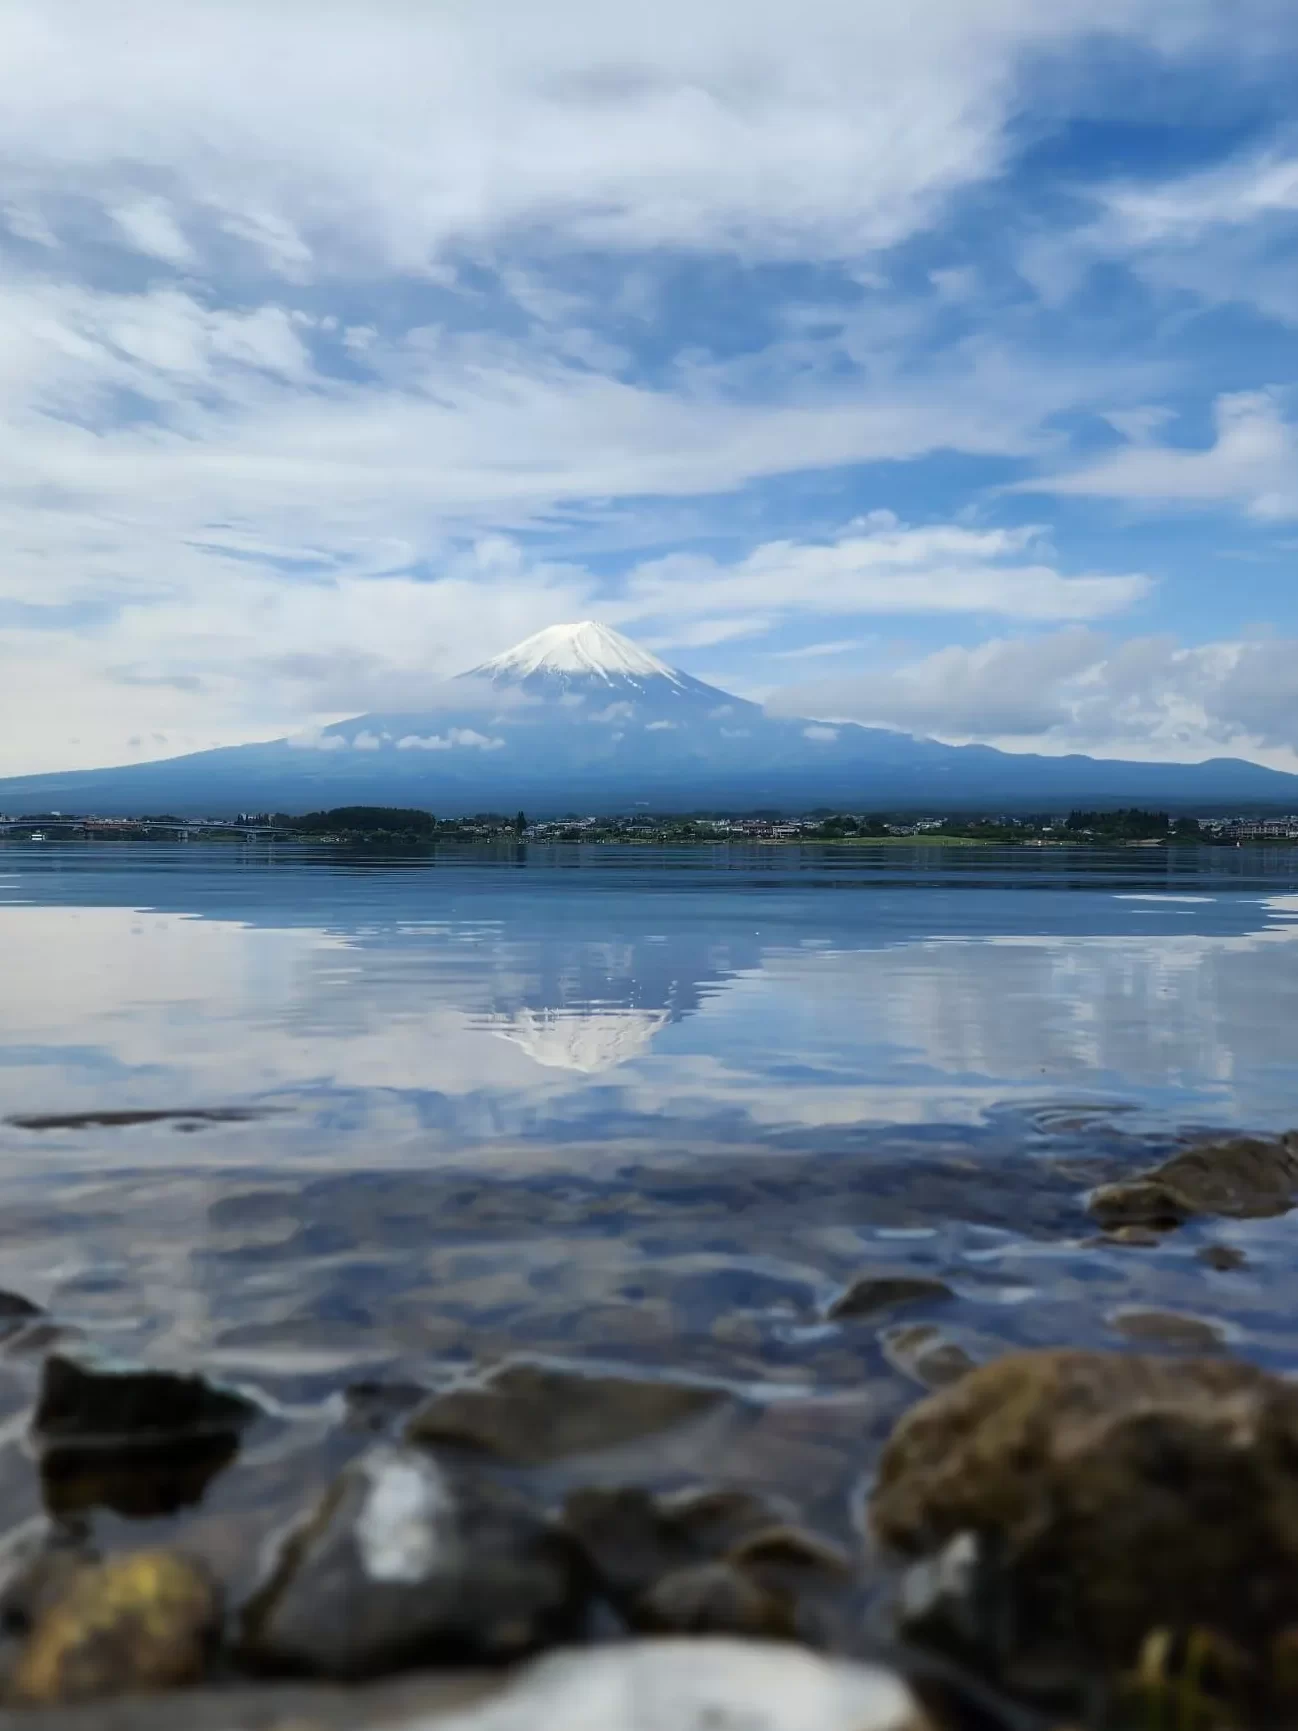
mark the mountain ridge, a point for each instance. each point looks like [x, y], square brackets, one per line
[578, 717]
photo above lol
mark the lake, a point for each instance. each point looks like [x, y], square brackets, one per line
[330, 1119]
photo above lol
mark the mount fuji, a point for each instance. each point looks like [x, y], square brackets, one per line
[579, 718]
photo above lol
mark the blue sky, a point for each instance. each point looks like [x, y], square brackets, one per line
[935, 366]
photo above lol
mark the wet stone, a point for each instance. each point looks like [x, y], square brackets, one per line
[16, 1311]
[137, 1623]
[1084, 1499]
[871, 1294]
[792, 1547]
[139, 1481]
[1224, 1258]
[633, 1538]
[1241, 1177]
[528, 1413]
[1130, 1238]
[1167, 1328]
[406, 1561]
[712, 1561]
[715, 1599]
[89, 1399]
[377, 1406]
[924, 1353]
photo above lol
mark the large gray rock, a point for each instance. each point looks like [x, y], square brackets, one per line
[527, 1412]
[408, 1561]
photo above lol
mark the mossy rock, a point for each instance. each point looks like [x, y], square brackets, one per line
[1100, 1496]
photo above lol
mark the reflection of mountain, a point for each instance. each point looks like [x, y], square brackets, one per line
[477, 1001]
[587, 1041]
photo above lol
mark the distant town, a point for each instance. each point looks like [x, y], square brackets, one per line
[361, 825]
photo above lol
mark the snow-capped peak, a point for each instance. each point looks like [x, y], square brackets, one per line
[587, 649]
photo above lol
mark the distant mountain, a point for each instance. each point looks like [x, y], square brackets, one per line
[579, 718]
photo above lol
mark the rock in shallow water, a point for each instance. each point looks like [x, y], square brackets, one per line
[704, 1561]
[921, 1351]
[406, 1561]
[1243, 1177]
[88, 1398]
[1099, 1497]
[527, 1413]
[871, 1294]
[135, 1623]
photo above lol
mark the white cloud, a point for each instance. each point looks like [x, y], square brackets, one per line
[614, 712]
[1252, 462]
[384, 139]
[366, 741]
[1078, 690]
[660, 727]
[149, 226]
[316, 739]
[944, 568]
[828, 734]
[456, 737]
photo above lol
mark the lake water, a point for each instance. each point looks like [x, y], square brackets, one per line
[417, 1112]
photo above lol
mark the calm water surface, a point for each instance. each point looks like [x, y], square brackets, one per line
[624, 1104]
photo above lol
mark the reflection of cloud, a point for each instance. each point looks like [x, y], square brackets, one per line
[461, 1031]
[589, 1041]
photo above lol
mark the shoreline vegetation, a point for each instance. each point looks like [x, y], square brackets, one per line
[363, 825]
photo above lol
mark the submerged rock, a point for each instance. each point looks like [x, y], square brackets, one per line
[136, 1623]
[699, 1561]
[921, 1351]
[1224, 1258]
[16, 1311]
[87, 1398]
[528, 1413]
[632, 1538]
[136, 1479]
[716, 1599]
[406, 1561]
[1077, 1501]
[870, 1294]
[1168, 1328]
[1243, 1177]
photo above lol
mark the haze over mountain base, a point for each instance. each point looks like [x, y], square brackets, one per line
[579, 718]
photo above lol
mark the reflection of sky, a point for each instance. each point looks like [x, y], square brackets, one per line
[487, 1001]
